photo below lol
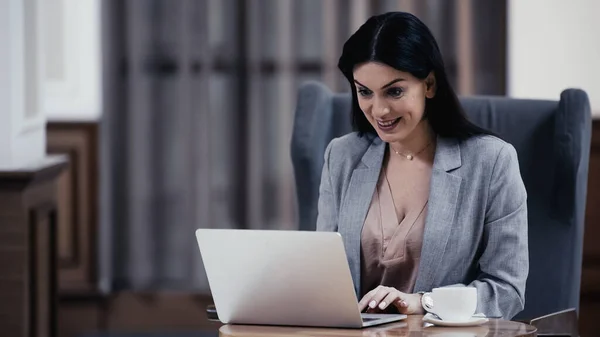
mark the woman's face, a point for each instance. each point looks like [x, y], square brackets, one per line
[393, 101]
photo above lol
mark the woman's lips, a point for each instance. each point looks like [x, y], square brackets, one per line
[389, 124]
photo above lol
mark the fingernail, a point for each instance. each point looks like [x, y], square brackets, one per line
[403, 304]
[382, 305]
[372, 304]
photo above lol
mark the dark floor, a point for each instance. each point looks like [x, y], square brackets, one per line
[154, 334]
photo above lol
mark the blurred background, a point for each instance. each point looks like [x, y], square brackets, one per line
[199, 99]
[177, 114]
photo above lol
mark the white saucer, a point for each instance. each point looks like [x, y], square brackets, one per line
[473, 321]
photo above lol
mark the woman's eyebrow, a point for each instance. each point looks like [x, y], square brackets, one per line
[392, 82]
[385, 86]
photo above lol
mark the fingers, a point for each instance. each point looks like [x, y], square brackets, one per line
[391, 298]
[409, 304]
[380, 293]
[364, 302]
[402, 306]
[379, 298]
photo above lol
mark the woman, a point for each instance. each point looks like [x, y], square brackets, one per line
[422, 197]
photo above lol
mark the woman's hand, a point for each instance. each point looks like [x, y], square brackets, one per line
[382, 297]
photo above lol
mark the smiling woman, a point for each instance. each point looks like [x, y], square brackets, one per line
[394, 187]
[395, 107]
[402, 64]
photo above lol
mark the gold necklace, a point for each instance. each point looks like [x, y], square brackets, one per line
[410, 156]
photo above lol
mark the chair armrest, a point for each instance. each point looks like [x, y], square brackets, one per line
[211, 313]
[562, 323]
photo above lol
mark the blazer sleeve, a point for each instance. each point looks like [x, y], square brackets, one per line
[504, 263]
[327, 207]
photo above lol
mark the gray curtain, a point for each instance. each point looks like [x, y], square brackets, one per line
[153, 134]
[199, 98]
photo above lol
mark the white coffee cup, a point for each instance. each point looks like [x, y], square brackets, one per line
[456, 304]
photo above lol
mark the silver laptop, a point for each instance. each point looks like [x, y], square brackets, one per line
[273, 277]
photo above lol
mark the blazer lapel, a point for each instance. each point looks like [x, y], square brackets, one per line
[443, 198]
[356, 204]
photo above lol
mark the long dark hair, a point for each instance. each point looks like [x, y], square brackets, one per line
[401, 41]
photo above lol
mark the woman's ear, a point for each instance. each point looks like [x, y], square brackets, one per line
[430, 85]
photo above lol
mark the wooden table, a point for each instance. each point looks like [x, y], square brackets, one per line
[413, 326]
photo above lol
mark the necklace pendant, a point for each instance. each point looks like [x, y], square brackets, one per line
[409, 157]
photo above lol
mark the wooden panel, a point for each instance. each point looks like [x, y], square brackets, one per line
[590, 278]
[42, 281]
[589, 313]
[77, 204]
[591, 252]
[28, 303]
[13, 262]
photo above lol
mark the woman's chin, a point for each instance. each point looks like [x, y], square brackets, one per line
[391, 137]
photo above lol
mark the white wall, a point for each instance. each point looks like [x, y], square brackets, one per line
[50, 69]
[553, 45]
[71, 83]
[22, 122]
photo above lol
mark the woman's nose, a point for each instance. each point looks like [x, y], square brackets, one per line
[380, 112]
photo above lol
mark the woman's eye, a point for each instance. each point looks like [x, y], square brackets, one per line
[395, 92]
[364, 92]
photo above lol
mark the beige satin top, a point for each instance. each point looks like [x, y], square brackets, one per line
[391, 248]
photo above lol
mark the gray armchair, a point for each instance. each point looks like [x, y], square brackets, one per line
[552, 139]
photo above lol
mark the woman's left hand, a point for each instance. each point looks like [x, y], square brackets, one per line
[382, 297]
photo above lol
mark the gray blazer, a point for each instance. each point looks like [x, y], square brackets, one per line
[476, 224]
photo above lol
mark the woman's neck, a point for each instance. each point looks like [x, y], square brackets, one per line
[421, 138]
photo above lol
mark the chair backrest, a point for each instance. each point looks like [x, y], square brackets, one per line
[552, 139]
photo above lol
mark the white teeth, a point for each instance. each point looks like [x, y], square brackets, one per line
[388, 123]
